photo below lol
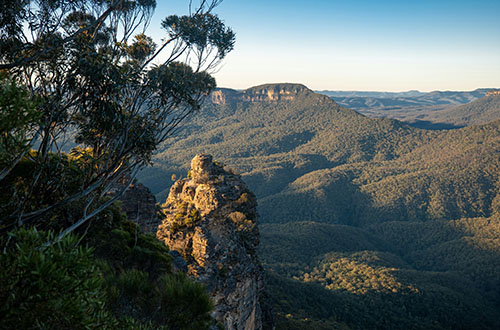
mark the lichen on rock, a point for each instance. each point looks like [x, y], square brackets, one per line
[210, 218]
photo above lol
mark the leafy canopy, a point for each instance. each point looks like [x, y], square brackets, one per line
[80, 73]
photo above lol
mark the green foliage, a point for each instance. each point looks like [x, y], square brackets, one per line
[88, 66]
[138, 278]
[142, 48]
[478, 112]
[172, 300]
[437, 306]
[433, 110]
[121, 243]
[358, 273]
[60, 178]
[353, 209]
[200, 30]
[430, 275]
[187, 217]
[195, 215]
[48, 286]
[17, 110]
[184, 303]
[129, 286]
[301, 242]
[67, 81]
[309, 159]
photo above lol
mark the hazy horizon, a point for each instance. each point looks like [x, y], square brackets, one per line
[359, 90]
[358, 45]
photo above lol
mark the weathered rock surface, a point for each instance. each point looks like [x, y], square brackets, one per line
[139, 204]
[265, 93]
[211, 220]
[274, 92]
[494, 92]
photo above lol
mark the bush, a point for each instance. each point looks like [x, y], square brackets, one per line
[49, 286]
[184, 303]
[63, 286]
[174, 301]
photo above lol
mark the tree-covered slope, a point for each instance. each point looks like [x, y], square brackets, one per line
[395, 275]
[478, 112]
[282, 139]
[455, 175]
[306, 158]
[433, 110]
[367, 223]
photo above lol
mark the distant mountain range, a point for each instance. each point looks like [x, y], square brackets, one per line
[436, 96]
[366, 223]
[333, 94]
[480, 111]
[417, 108]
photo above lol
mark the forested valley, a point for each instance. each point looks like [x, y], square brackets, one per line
[365, 223]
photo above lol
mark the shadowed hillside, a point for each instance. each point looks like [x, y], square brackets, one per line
[478, 112]
[283, 138]
[387, 226]
[396, 275]
[433, 110]
[306, 158]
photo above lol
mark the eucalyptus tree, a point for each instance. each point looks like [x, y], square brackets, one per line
[86, 76]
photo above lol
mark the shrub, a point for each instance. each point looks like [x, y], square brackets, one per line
[174, 301]
[184, 303]
[49, 286]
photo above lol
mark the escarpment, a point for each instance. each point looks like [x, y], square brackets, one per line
[266, 93]
[211, 220]
[273, 92]
[493, 92]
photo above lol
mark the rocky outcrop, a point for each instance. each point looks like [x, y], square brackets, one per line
[140, 206]
[223, 96]
[264, 93]
[211, 220]
[274, 92]
[493, 93]
[138, 203]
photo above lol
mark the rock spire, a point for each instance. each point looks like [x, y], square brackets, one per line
[211, 220]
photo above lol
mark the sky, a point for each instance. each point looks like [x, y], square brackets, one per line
[376, 45]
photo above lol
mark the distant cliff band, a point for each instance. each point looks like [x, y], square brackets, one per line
[493, 92]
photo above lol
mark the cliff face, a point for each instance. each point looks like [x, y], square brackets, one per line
[223, 96]
[273, 92]
[211, 220]
[139, 204]
[493, 93]
[264, 93]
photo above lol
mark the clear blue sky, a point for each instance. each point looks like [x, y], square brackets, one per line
[358, 45]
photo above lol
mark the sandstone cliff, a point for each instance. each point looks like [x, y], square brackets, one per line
[223, 96]
[273, 92]
[264, 93]
[493, 92]
[211, 220]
